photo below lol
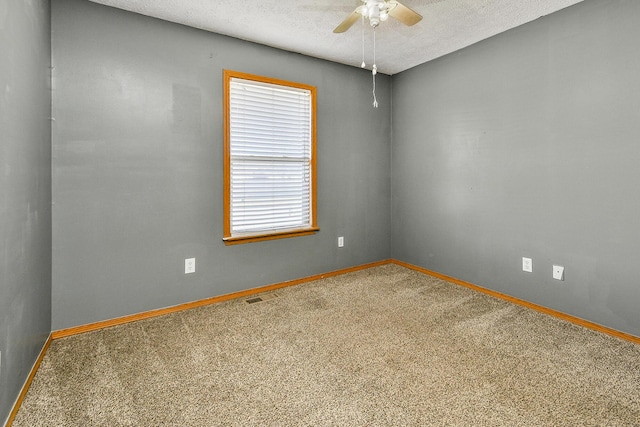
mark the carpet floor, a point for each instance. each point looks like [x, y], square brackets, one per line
[382, 346]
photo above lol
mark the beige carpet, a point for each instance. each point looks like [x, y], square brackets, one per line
[383, 346]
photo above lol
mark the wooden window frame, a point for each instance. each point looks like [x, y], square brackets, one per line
[228, 238]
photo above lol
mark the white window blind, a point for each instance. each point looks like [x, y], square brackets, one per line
[270, 132]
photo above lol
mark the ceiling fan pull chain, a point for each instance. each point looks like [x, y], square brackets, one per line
[374, 69]
[375, 101]
[363, 64]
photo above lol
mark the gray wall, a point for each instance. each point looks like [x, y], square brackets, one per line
[528, 144]
[25, 192]
[137, 168]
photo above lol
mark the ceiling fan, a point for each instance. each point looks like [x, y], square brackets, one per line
[379, 10]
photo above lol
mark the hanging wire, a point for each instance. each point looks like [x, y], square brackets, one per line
[374, 69]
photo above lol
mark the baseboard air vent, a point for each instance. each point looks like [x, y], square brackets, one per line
[261, 298]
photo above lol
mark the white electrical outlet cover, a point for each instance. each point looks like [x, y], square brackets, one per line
[527, 265]
[558, 272]
[340, 241]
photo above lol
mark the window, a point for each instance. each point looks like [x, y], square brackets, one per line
[269, 158]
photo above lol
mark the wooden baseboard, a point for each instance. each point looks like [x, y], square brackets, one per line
[27, 384]
[61, 333]
[560, 315]
[241, 294]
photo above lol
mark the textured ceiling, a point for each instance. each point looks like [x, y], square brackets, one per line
[306, 26]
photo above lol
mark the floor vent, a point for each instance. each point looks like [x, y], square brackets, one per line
[261, 298]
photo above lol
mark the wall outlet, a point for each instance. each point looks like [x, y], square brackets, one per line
[341, 242]
[189, 265]
[527, 265]
[558, 272]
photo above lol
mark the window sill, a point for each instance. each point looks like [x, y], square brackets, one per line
[237, 240]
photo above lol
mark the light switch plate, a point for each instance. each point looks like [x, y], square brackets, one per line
[527, 265]
[189, 265]
[341, 242]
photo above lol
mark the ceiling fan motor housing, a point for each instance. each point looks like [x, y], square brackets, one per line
[375, 11]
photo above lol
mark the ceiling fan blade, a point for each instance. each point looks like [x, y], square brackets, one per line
[404, 14]
[347, 23]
